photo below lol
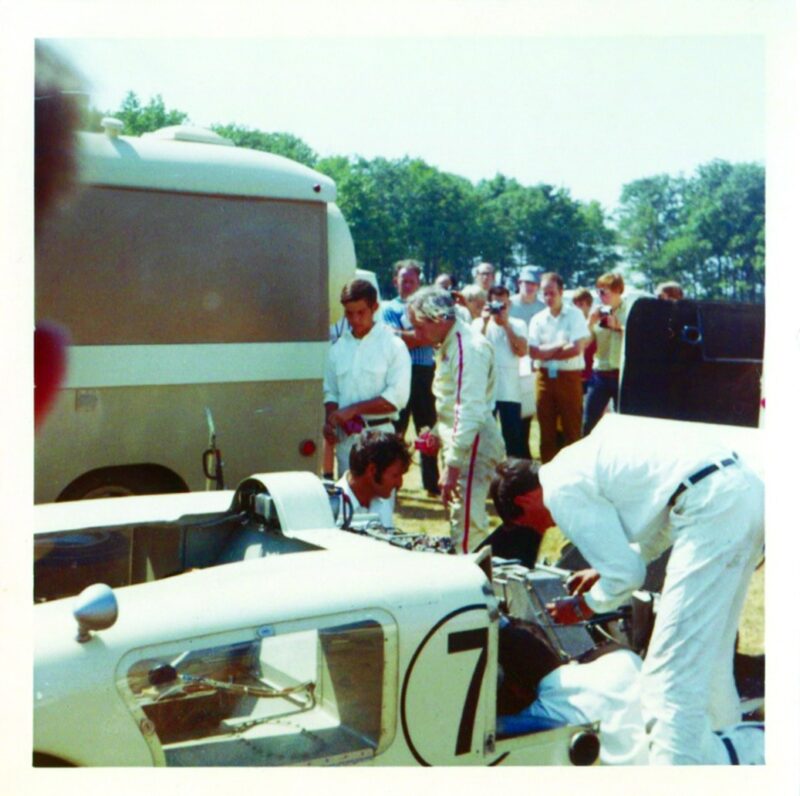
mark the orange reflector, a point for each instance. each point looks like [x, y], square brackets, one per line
[308, 447]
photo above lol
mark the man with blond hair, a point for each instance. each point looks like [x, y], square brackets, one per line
[607, 325]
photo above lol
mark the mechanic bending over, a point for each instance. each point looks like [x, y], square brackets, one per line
[622, 499]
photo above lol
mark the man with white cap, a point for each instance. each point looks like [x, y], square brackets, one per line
[525, 302]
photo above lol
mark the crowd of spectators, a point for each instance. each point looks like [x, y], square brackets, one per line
[467, 359]
[455, 360]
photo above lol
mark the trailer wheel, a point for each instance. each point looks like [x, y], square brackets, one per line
[150, 479]
[44, 760]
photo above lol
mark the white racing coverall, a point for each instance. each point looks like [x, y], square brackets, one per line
[612, 493]
[464, 386]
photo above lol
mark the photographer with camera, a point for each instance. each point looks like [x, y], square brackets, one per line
[508, 337]
[607, 325]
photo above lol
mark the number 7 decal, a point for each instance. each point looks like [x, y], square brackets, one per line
[461, 641]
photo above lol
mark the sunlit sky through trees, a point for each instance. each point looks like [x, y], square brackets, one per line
[584, 113]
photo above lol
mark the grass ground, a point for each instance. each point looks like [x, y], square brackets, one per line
[416, 512]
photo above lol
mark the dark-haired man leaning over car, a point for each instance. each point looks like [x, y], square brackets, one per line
[622, 498]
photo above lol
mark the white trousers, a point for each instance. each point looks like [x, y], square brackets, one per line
[469, 523]
[688, 688]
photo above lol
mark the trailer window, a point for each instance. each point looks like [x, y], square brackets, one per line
[272, 696]
[123, 266]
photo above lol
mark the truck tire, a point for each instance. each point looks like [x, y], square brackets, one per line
[44, 760]
[124, 481]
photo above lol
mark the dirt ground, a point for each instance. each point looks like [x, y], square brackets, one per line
[416, 512]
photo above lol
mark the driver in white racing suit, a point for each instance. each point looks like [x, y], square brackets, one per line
[463, 385]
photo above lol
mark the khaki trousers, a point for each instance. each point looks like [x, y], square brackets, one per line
[561, 397]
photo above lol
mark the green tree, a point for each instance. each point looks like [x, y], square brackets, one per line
[705, 231]
[545, 226]
[496, 222]
[650, 215]
[442, 211]
[284, 144]
[138, 118]
[725, 211]
[365, 195]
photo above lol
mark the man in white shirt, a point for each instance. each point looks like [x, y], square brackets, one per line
[557, 336]
[508, 337]
[524, 305]
[378, 462]
[466, 431]
[367, 374]
[622, 495]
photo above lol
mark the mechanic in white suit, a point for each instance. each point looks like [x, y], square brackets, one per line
[537, 691]
[464, 387]
[623, 495]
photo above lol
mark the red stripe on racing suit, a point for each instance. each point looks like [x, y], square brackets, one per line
[468, 496]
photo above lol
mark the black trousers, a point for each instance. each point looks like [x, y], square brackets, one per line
[422, 407]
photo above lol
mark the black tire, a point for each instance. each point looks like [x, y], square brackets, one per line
[44, 760]
[149, 479]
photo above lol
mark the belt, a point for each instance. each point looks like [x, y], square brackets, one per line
[700, 475]
[376, 421]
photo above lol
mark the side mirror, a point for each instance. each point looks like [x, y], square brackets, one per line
[95, 608]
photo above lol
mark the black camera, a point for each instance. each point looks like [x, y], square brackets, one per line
[604, 313]
[495, 307]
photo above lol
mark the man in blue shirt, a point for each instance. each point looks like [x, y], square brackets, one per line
[421, 405]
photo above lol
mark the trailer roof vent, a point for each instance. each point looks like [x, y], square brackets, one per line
[185, 132]
[112, 126]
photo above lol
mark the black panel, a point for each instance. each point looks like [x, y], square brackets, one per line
[693, 360]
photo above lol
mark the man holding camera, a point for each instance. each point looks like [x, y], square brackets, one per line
[607, 325]
[466, 431]
[508, 337]
[557, 336]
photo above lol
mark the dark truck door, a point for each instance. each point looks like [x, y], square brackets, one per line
[693, 360]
